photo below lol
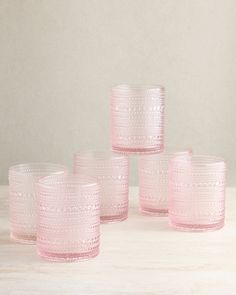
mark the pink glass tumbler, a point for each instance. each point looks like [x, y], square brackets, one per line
[22, 180]
[153, 182]
[68, 224]
[197, 193]
[111, 172]
[137, 119]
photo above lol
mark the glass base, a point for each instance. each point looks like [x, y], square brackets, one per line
[112, 219]
[153, 212]
[123, 150]
[65, 257]
[23, 238]
[196, 227]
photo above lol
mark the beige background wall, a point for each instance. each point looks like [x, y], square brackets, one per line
[58, 58]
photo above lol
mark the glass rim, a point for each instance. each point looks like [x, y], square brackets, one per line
[36, 167]
[200, 160]
[70, 180]
[167, 153]
[137, 92]
[100, 155]
[137, 87]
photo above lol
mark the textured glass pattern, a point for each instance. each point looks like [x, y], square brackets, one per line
[153, 182]
[22, 179]
[197, 193]
[111, 172]
[137, 118]
[68, 227]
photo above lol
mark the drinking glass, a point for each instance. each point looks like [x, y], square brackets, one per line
[137, 118]
[153, 182]
[22, 180]
[197, 193]
[111, 172]
[68, 224]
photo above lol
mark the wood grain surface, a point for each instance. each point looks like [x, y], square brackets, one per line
[141, 255]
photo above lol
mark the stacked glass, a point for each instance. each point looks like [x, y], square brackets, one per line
[137, 118]
[63, 211]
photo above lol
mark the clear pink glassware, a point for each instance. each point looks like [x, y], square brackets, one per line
[68, 223]
[137, 119]
[196, 193]
[153, 182]
[111, 172]
[22, 180]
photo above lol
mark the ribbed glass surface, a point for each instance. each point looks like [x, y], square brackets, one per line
[111, 172]
[153, 182]
[197, 193]
[137, 118]
[68, 218]
[22, 180]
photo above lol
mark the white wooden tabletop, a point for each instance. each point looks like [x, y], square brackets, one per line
[141, 255]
